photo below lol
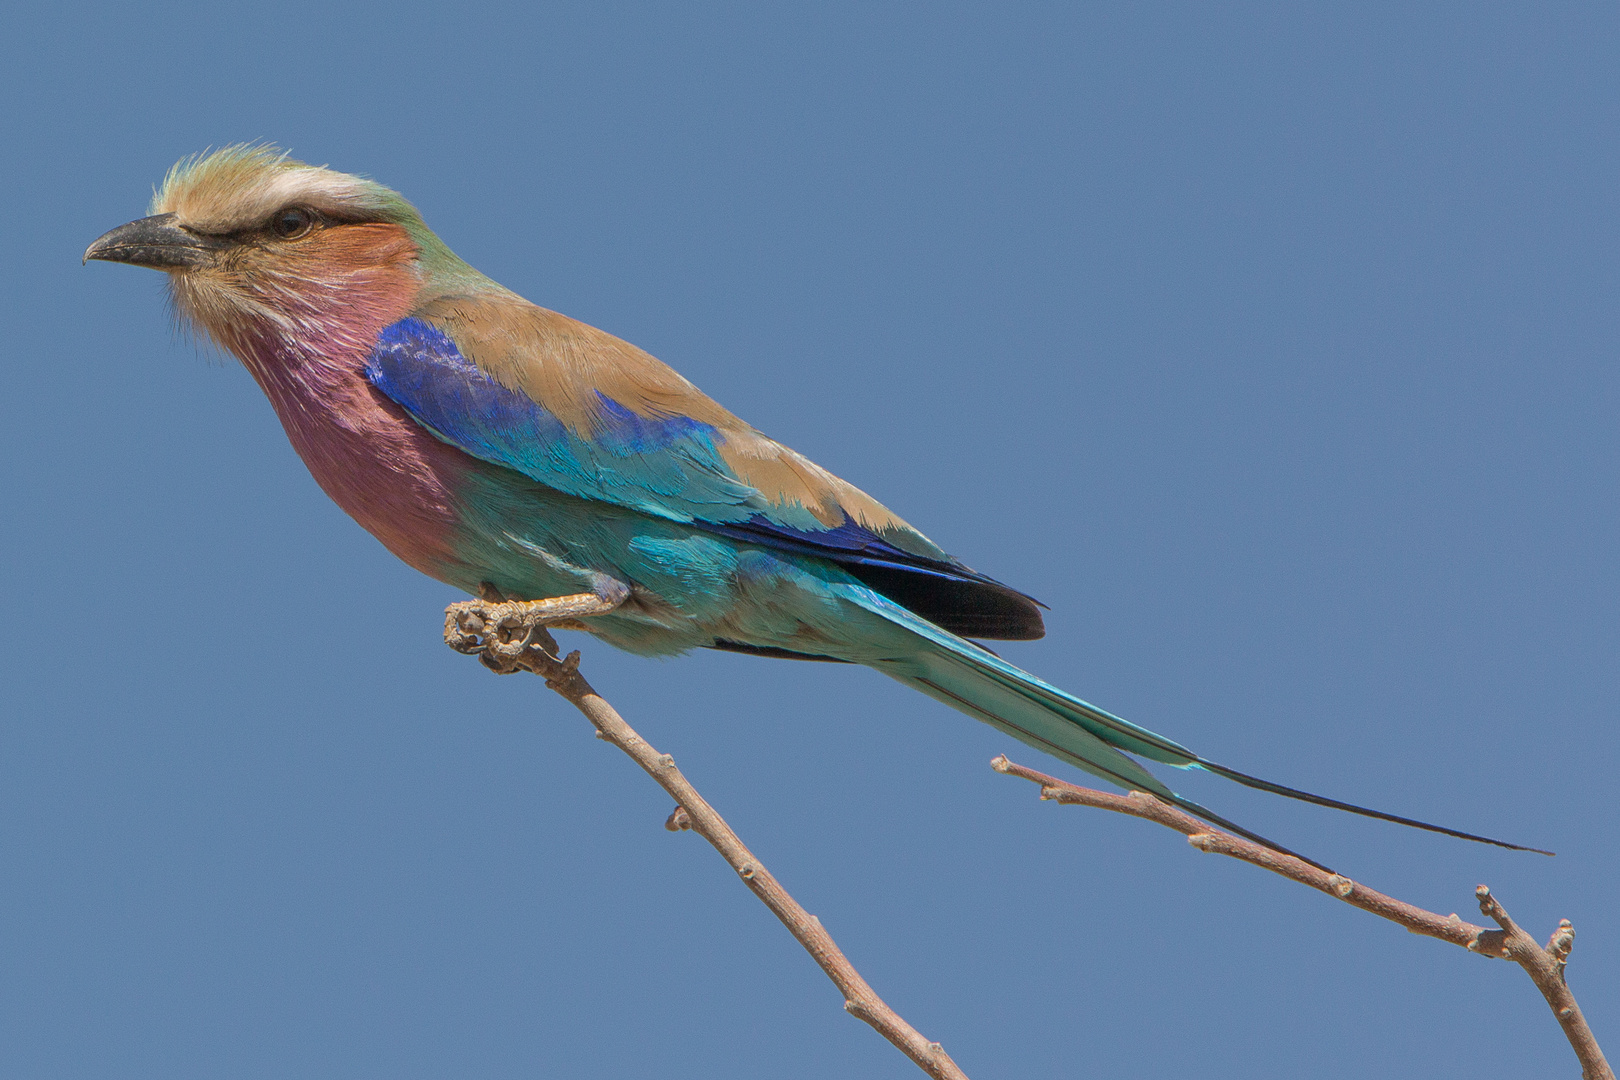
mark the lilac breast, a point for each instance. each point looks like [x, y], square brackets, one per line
[379, 465]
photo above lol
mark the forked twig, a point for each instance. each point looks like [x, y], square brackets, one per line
[512, 636]
[1545, 965]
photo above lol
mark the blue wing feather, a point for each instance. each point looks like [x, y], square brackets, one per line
[669, 467]
[666, 467]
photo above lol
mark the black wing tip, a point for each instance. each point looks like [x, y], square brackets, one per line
[948, 594]
[1321, 800]
[967, 604]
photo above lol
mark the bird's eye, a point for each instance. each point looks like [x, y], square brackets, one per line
[291, 223]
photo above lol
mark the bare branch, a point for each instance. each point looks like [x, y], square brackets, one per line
[510, 637]
[1545, 966]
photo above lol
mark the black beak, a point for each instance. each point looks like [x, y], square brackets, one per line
[156, 242]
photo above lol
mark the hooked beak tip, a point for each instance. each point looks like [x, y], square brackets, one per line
[155, 242]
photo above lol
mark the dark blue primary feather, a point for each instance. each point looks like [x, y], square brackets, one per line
[665, 467]
[668, 467]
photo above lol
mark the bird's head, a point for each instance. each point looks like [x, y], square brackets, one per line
[261, 248]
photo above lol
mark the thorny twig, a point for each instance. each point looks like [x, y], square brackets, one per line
[1545, 965]
[512, 636]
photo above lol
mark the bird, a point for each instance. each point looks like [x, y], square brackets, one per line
[508, 450]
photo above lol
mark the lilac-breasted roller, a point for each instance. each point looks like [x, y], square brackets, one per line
[490, 442]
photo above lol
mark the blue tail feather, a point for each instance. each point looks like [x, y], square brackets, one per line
[979, 683]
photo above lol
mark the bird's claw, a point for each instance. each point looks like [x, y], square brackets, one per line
[511, 635]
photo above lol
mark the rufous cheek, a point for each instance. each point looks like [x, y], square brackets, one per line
[381, 254]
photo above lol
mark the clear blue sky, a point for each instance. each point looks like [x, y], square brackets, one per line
[1273, 346]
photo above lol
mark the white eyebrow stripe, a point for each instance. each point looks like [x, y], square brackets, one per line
[237, 190]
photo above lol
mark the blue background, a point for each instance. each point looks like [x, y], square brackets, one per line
[1273, 346]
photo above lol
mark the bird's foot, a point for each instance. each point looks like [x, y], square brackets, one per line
[511, 635]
